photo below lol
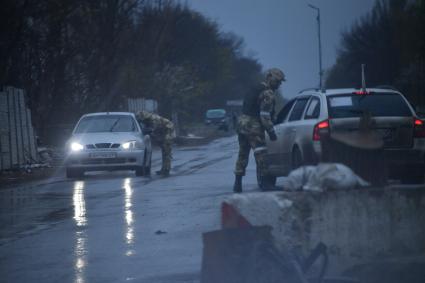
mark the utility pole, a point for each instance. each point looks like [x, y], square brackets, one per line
[320, 45]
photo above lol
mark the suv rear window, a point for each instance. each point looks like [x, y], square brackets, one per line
[379, 105]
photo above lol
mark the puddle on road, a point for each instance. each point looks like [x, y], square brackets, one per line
[191, 161]
[57, 215]
[23, 203]
[25, 211]
[80, 219]
[10, 199]
[28, 212]
[210, 162]
[129, 217]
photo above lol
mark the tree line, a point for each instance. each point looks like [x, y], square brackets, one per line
[390, 41]
[78, 56]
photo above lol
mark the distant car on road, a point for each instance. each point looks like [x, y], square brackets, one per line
[217, 117]
[375, 118]
[108, 141]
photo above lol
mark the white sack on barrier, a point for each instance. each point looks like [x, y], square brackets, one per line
[323, 177]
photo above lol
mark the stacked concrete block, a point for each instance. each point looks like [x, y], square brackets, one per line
[17, 139]
[357, 226]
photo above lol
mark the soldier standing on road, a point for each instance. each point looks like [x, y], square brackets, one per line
[257, 116]
[162, 133]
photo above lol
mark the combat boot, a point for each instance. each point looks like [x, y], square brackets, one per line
[237, 187]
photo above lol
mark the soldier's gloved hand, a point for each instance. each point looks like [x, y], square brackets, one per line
[272, 136]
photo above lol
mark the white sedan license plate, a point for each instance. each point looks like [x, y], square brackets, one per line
[103, 155]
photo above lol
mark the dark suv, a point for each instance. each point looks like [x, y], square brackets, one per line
[217, 117]
[379, 125]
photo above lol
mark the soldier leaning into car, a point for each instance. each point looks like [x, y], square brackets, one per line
[257, 113]
[162, 133]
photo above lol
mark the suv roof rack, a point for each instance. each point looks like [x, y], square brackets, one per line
[387, 87]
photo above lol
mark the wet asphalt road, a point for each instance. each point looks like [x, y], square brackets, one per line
[115, 227]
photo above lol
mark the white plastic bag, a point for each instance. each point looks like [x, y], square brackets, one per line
[322, 177]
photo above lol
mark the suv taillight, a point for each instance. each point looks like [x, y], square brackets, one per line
[320, 129]
[418, 128]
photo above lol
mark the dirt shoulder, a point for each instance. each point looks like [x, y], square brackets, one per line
[11, 178]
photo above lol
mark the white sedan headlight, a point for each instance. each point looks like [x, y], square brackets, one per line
[75, 146]
[131, 145]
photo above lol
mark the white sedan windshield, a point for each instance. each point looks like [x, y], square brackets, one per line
[106, 123]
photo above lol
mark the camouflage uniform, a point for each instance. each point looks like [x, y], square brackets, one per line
[256, 119]
[251, 134]
[162, 133]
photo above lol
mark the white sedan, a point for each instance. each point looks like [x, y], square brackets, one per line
[108, 141]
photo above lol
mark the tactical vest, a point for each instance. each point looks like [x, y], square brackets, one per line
[251, 105]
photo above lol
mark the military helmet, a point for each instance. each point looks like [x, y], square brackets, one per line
[144, 115]
[275, 74]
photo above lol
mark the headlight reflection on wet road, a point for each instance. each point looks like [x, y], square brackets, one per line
[80, 260]
[129, 220]
[79, 204]
[80, 219]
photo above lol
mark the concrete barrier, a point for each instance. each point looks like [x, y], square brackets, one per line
[357, 225]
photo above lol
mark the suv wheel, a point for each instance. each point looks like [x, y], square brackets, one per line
[265, 182]
[297, 159]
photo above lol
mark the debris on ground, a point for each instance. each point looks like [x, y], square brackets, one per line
[14, 177]
[48, 162]
[45, 155]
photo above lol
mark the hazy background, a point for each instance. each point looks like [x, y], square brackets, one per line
[283, 33]
[76, 57]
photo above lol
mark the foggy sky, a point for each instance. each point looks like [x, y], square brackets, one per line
[283, 33]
